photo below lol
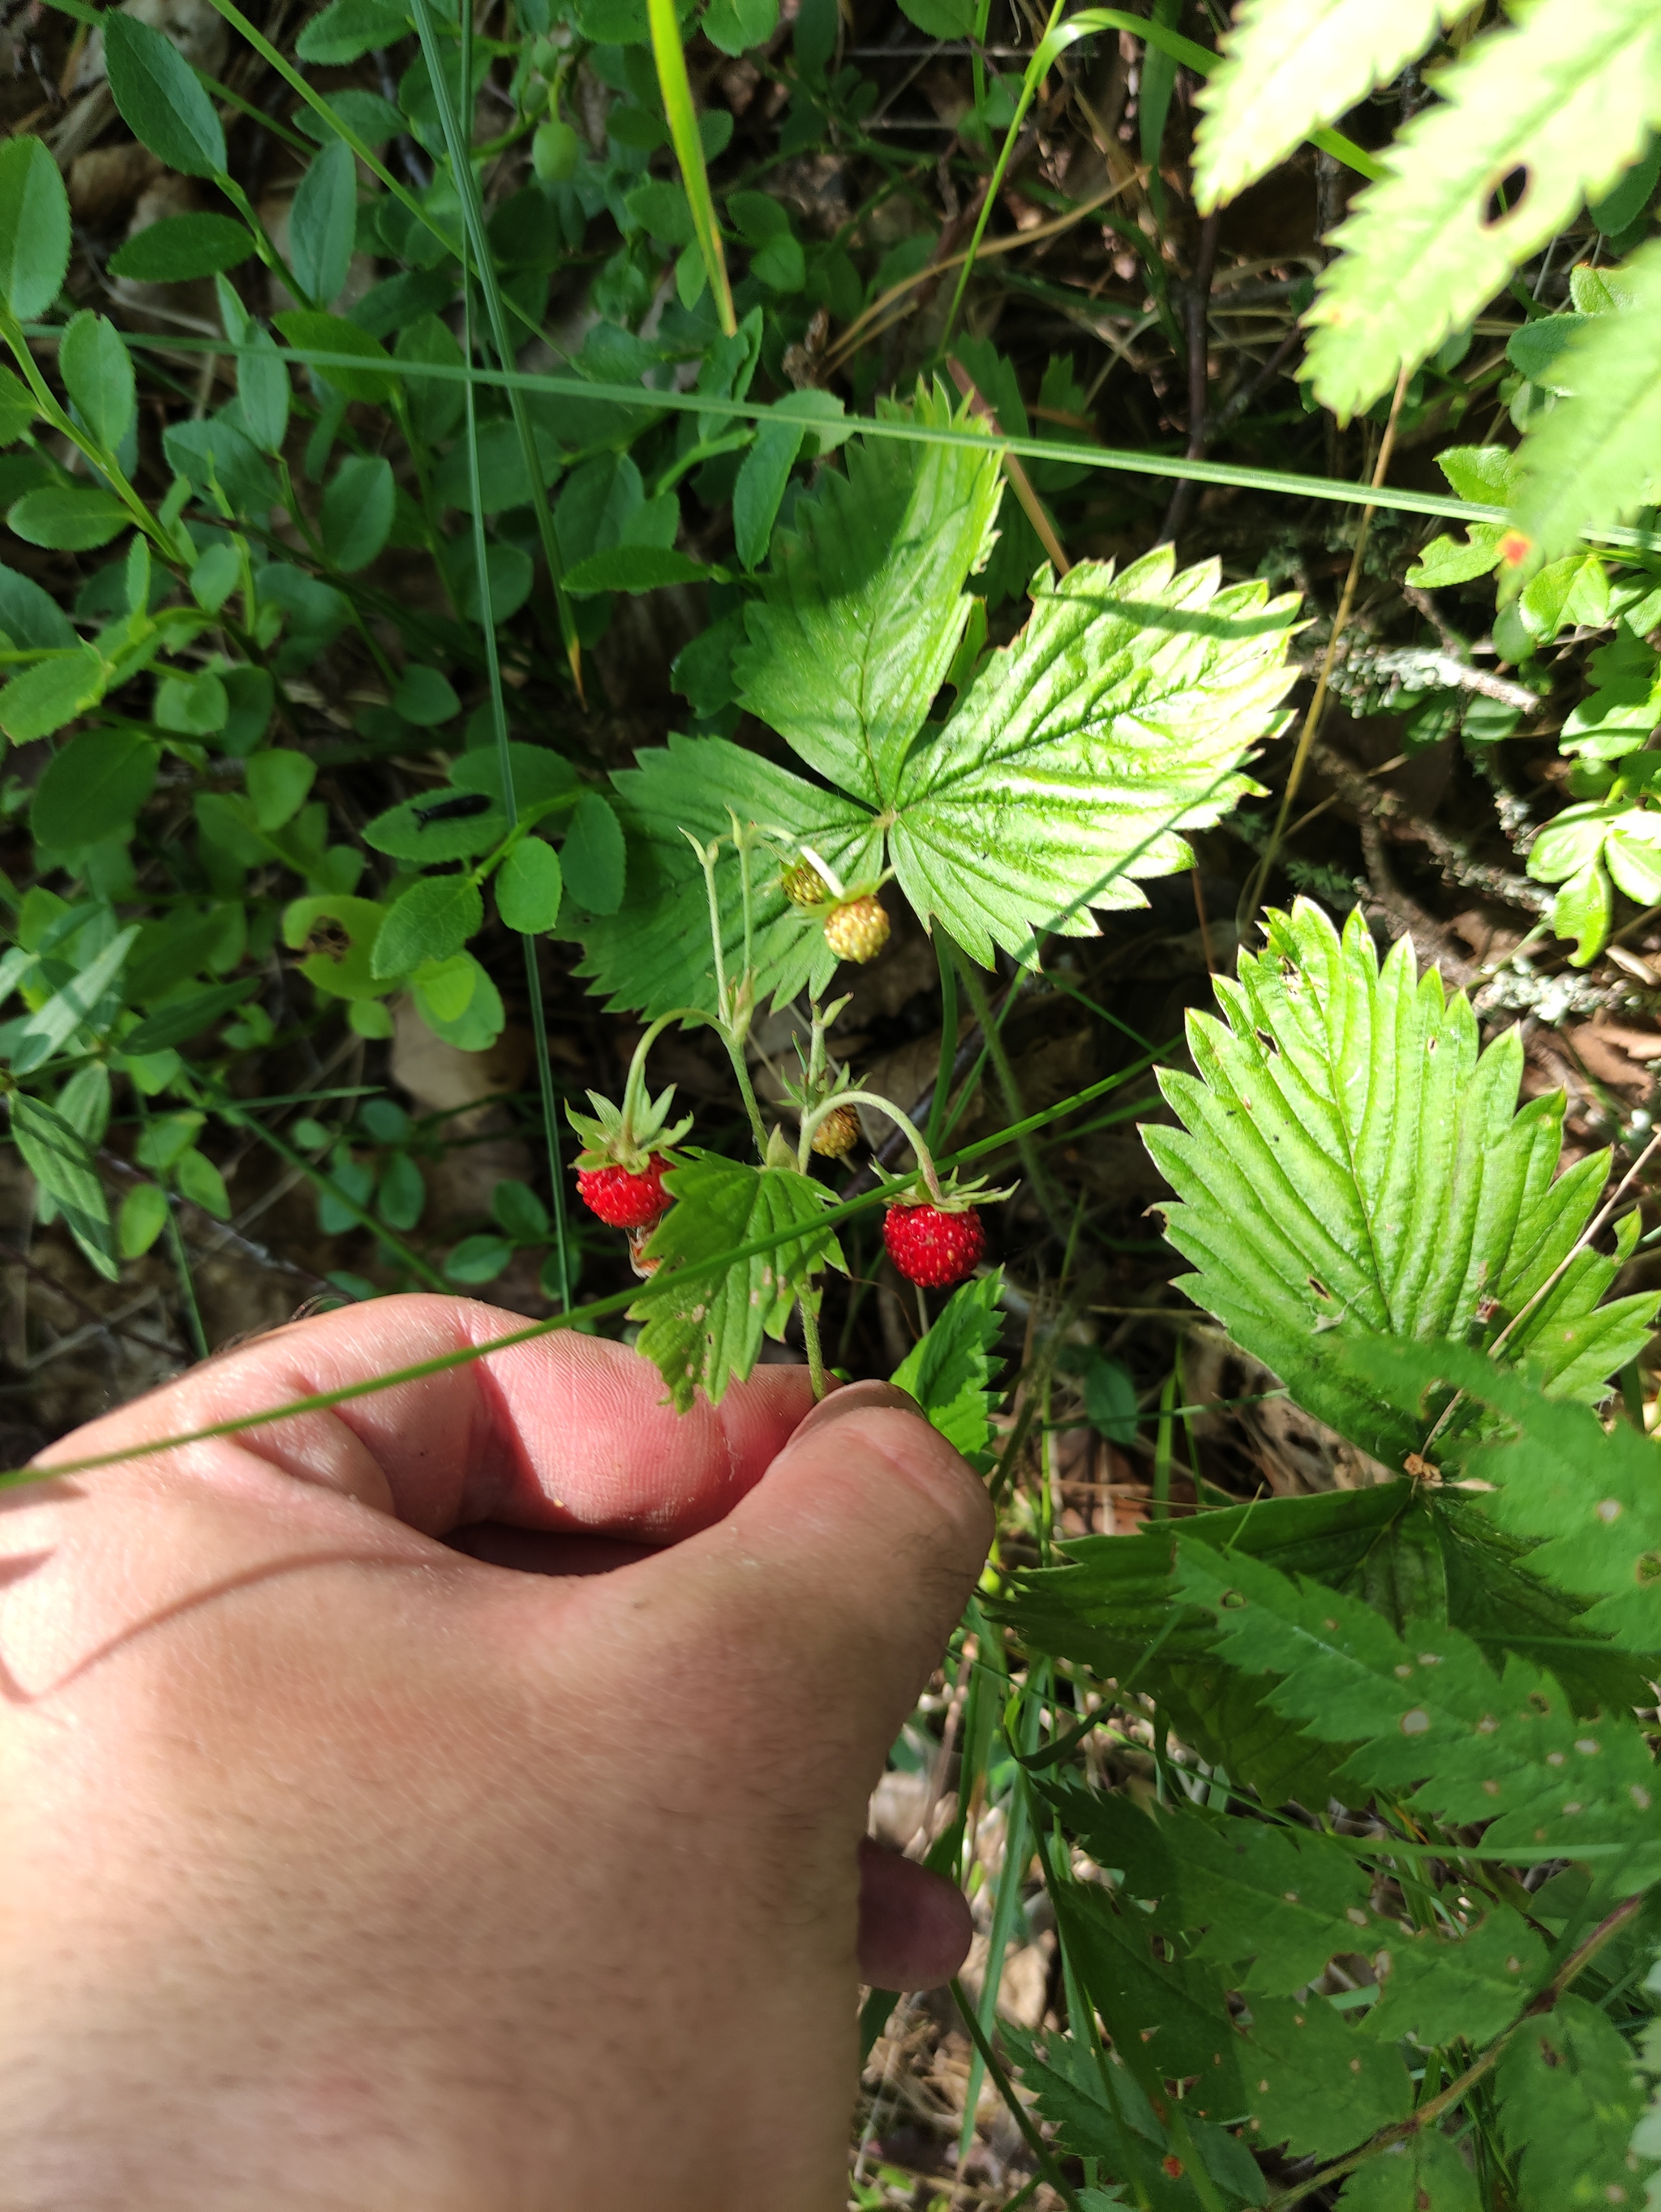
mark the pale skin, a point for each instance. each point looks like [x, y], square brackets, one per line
[452, 1802]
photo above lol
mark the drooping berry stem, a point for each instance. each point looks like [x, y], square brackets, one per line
[926, 1167]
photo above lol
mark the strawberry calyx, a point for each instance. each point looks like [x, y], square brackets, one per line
[950, 1196]
[630, 1135]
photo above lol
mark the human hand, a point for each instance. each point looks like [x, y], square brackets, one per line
[344, 1862]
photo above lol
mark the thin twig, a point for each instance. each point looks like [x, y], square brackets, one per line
[1199, 387]
[1253, 893]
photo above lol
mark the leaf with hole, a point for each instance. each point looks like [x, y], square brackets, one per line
[1532, 118]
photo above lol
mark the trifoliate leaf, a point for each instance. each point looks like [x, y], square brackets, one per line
[1568, 2098]
[707, 1333]
[1565, 94]
[1288, 65]
[1594, 458]
[1117, 717]
[655, 953]
[864, 603]
[1347, 1153]
[950, 1371]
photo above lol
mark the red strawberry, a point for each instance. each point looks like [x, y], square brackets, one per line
[624, 1201]
[934, 1246]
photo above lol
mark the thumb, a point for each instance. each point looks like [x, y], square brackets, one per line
[831, 1587]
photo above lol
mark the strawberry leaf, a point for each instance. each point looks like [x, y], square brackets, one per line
[655, 952]
[864, 603]
[1347, 1152]
[707, 1333]
[1117, 717]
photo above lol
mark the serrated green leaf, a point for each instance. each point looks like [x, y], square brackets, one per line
[1313, 2080]
[708, 1333]
[1172, 2006]
[183, 246]
[279, 782]
[1566, 92]
[542, 780]
[864, 605]
[1288, 65]
[632, 568]
[34, 228]
[1424, 2173]
[655, 952]
[432, 921]
[160, 98]
[1439, 1990]
[1267, 1906]
[61, 1161]
[950, 1371]
[529, 887]
[1567, 2100]
[53, 692]
[1119, 717]
[1585, 1499]
[348, 28]
[1507, 1748]
[1348, 1154]
[98, 375]
[1594, 459]
[68, 517]
[323, 221]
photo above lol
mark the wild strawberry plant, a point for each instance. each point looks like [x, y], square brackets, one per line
[1343, 1803]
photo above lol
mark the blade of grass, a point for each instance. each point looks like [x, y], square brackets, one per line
[584, 1316]
[466, 183]
[677, 89]
[1339, 491]
[510, 808]
[1058, 37]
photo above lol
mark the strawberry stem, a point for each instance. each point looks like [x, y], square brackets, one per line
[926, 1167]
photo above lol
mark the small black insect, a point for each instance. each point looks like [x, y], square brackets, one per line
[442, 868]
[451, 809]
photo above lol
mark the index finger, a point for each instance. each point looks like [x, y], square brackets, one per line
[566, 1433]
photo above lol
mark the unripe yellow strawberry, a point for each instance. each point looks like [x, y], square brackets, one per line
[837, 1134]
[858, 929]
[804, 885]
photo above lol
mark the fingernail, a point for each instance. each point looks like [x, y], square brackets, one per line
[859, 1398]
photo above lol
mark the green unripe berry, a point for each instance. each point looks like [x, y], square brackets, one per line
[554, 152]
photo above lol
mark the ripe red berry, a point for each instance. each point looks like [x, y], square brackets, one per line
[934, 1246]
[624, 1201]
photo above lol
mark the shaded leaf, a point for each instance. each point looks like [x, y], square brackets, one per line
[34, 228]
[161, 97]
